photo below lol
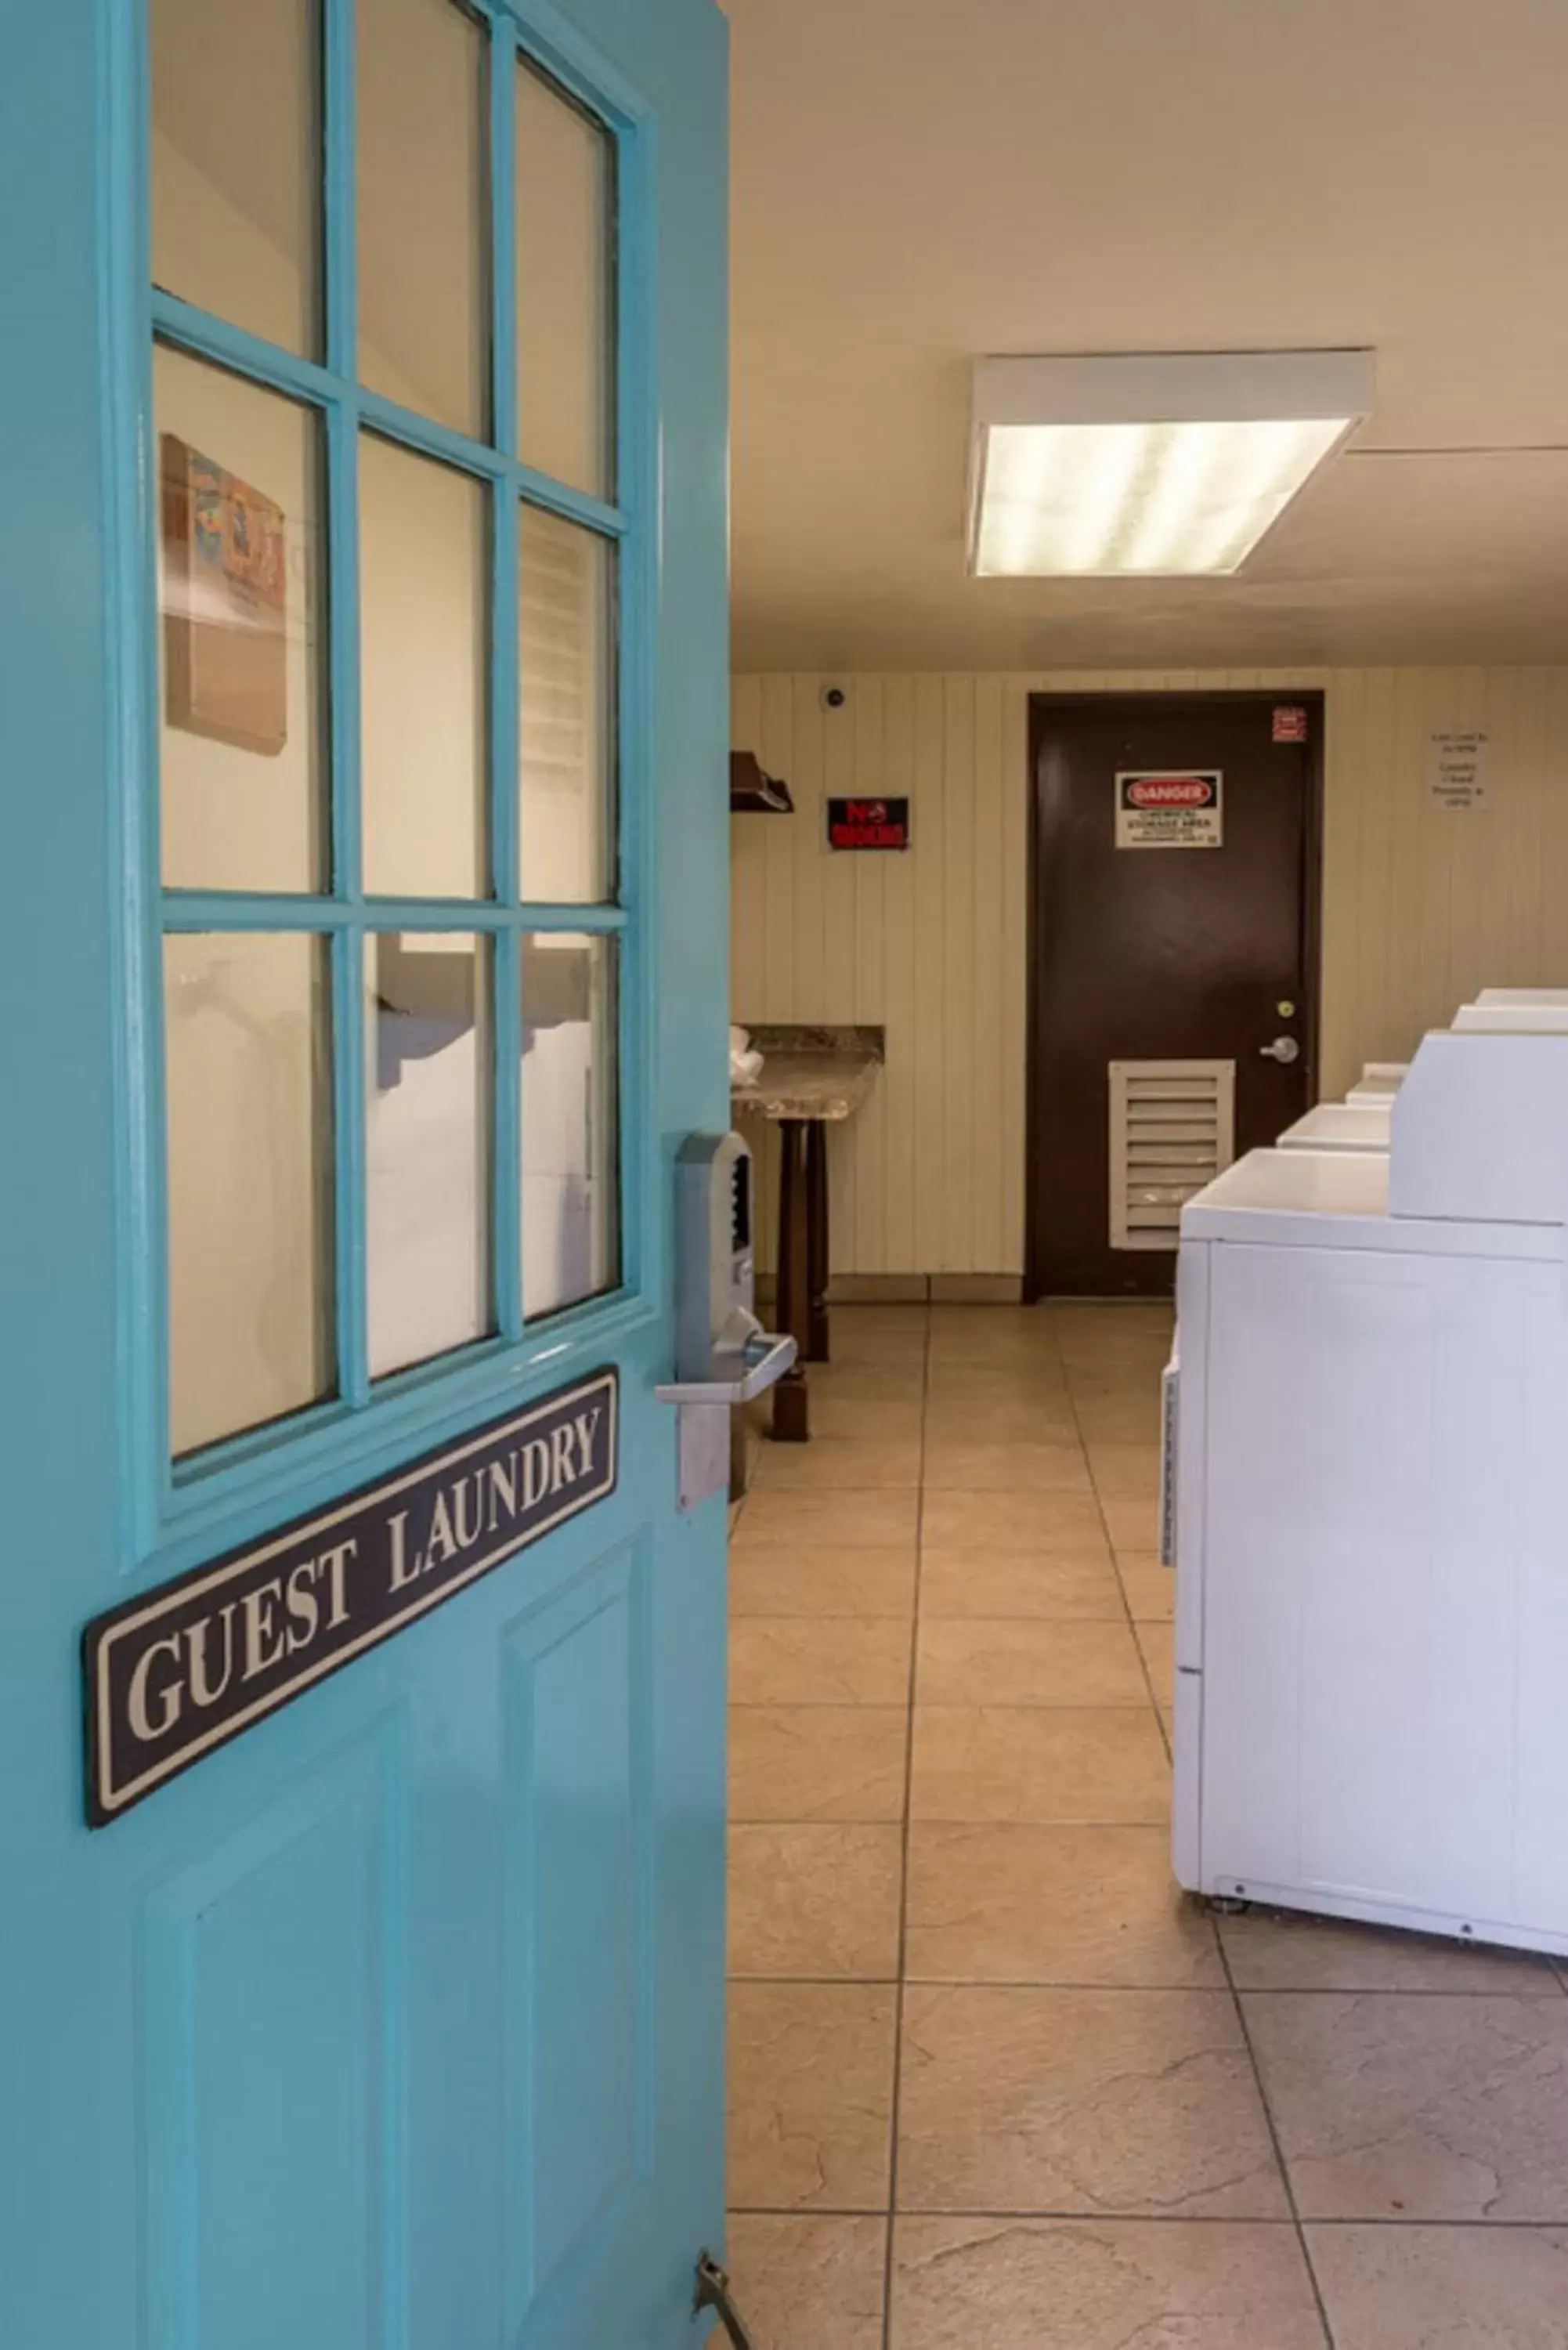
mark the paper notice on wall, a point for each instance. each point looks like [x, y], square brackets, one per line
[1456, 760]
[1164, 808]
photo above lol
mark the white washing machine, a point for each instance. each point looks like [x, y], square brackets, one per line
[1370, 1464]
[1522, 995]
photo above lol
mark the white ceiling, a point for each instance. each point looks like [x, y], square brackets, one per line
[917, 182]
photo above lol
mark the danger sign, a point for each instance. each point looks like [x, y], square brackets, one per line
[1165, 808]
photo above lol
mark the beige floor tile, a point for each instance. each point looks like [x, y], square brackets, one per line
[1140, 2102]
[995, 1381]
[897, 1378]
[1006, 1468]
[811, 2095]
[1053, 1905]
[857, 1521]
[817, 1762]
[805, 2282]
[962, 1521]
[1131, 1416]
[1150, 1588]
[1443, 2288]
[1039, 1763]
[1131, 1525]
[765, 1580]
[1019, 1419]
[1390, 2106]
[1157, 1643]
[835, 1463]
[1099, 1338]
[1089, 1355]
[890, 1315]
[865, 1421]
[809, 1899]
[1093, 1318]
[853, 1339]
[1028, 1354]
[819, 1660]
[1027, 1661]
[1057, 1585]
[1125, 1472]
[1132, 1369]
[1106, 2284]
[1275, 1950]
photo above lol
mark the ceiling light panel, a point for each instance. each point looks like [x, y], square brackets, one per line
[1149, 466]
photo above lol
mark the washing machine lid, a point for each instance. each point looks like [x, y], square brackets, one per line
[1379, 1081]
[1339, 1198]
[1341, 1126]
[1530, 1016]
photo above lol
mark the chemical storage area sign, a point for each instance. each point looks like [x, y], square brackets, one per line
[1170, 808]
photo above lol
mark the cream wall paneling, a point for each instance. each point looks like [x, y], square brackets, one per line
[1420, 908]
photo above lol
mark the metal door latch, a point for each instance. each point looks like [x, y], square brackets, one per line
[713, 2293]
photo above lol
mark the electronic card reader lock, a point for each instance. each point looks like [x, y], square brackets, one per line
[723, 1357]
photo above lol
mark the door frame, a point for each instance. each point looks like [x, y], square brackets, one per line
[1042, 708]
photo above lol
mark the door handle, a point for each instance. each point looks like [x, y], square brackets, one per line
[704, 1393]
[1283, 1049]
[736, 1378]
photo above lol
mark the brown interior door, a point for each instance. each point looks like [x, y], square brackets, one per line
[1152, 950]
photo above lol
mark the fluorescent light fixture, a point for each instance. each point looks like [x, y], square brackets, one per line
[1149, 465]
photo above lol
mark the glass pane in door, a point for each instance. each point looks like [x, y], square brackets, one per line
[566, 711]
[241, 604]
[566, 288]
[571, 1150]
[237, 162]
[424, 337]
[249, 1141]
[424, 643]
[427, 1094]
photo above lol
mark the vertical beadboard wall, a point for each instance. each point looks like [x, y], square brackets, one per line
[1420, 909]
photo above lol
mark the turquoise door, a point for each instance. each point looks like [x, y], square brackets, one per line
[362, 697]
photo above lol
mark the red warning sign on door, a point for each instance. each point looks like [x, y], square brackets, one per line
[1290, 724]
[1162, 808]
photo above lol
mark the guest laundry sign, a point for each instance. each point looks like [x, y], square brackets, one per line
[176, 1672]
[1456, 760]
[1170, 808]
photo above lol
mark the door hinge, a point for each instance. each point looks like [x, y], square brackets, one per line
[713, 2293]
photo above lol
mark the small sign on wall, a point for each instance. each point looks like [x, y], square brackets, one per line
[868, 824]
[1457, 762]
[1169, 808]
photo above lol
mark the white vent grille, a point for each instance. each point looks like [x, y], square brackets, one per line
[1172, 1131]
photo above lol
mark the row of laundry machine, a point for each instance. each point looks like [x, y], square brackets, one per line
[1366, 1497]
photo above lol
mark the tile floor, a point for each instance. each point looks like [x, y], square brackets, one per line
[995, 2086]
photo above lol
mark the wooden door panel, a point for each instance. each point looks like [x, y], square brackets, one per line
[269, 1987]
[1154, 953]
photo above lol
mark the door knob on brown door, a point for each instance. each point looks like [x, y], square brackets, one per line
[1284, 1048]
